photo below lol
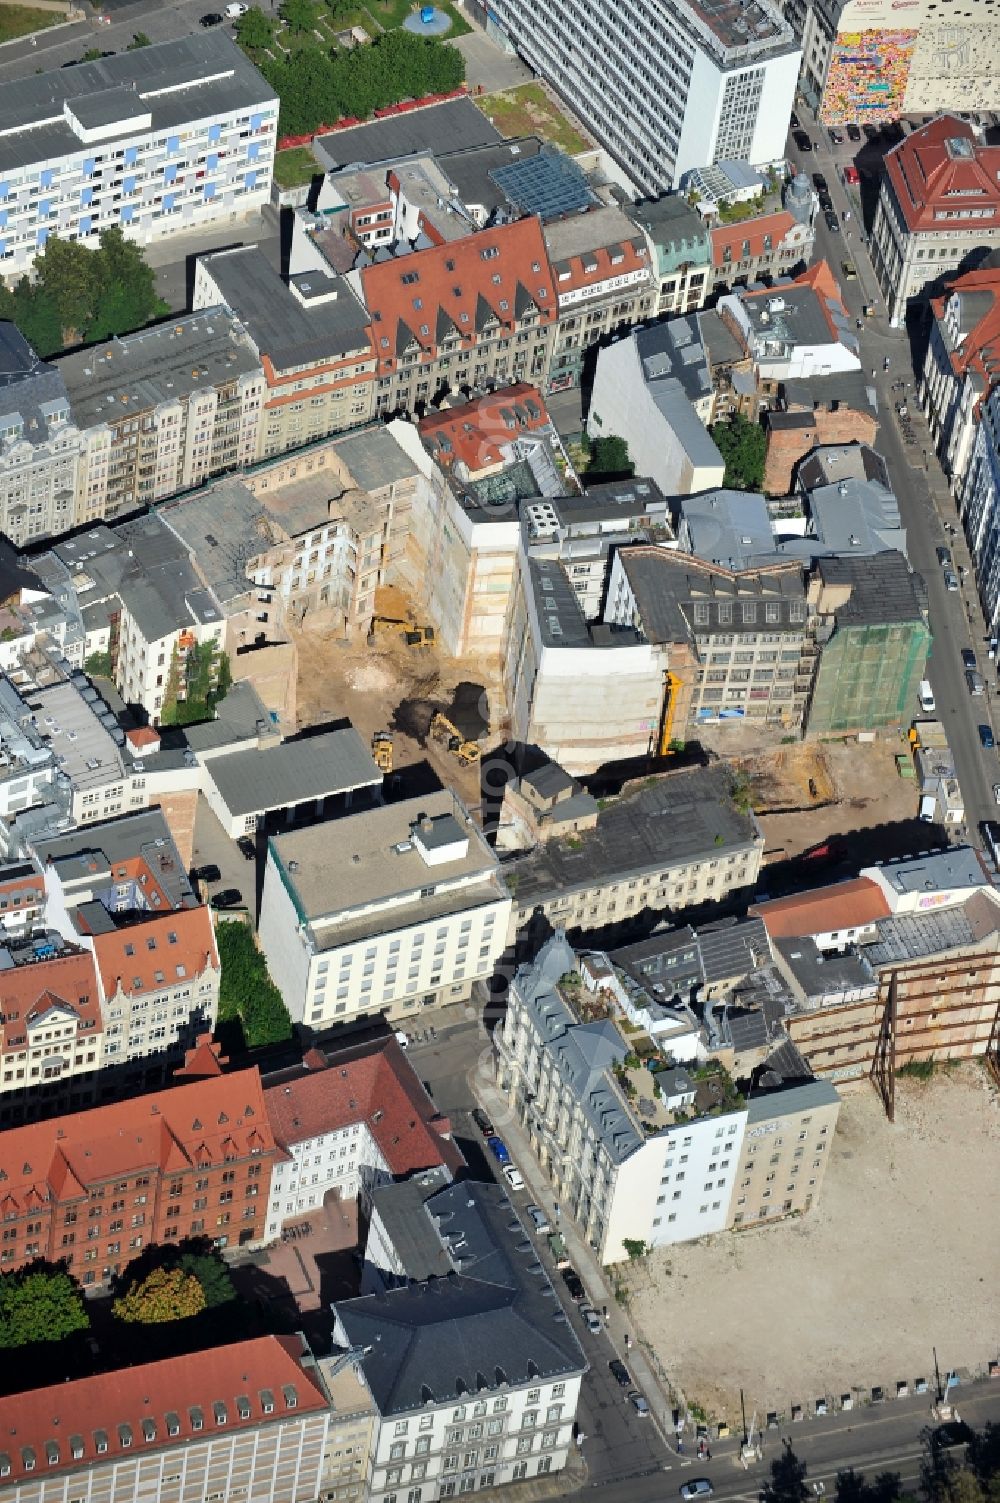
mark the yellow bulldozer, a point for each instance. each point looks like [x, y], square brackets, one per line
[382, 750]
[445, 731]
[408, 631]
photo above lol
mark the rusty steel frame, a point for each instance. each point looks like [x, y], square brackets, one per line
[993, 1048]
[883, 1072]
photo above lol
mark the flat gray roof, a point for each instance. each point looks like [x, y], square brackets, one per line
[108, 382]
[683, 817]
[768, 1105]
[453, 125]
[278, 777]
[93, 850]
[357, 860]
[375, 459]
[280, 327]
[196, 77]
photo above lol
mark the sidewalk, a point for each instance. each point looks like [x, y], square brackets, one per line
[582, 1256]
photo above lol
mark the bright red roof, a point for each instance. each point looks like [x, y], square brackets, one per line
[826, 910]
[746, 240]
[91, 1422]
[375, 1086]
[979, 349]
[164, 949]
[941, 171]
[474, 433]
[200, 1123]
[463, 290]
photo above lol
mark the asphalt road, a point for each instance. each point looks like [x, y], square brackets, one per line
[67, 43]
[921, 490]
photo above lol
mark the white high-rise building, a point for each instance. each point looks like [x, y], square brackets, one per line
[665, 85]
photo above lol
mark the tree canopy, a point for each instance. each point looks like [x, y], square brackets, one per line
[81, 295]
[40, 1302]
[247, 995]
[197, 680]
[165, 1294]
[743, 447]
[609, 458]
[255, 30]
[317, 86]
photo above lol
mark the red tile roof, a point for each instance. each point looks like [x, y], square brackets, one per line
[67, 981]
[473, 433]
[459, 288]
[752, 232]
[163, 949]
[933, 174]
[624, 262]
[376, 1086]
[979, 350]
[843, 905]
[200, 1123]
[144, 738]
[86, 1423]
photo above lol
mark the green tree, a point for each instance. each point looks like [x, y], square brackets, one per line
[197, 680]
[609, 458]
[40, 1302]
[854, 1487]
[165, 1294]
[299, 15]
[743, 447]
[98, 665]
[212, 1274]
[127, 297]
[140, 39]
[66, 274]
[788, 1479]
[247, 995]
[255, 30]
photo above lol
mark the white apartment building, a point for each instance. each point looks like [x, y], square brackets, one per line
[478, 1387]
[624, 1167]
[385, 910]
[980, 508]
[160, 140]
[666, 86]
[39, 445]
[159, 982]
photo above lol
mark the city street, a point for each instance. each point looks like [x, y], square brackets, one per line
[920, 487]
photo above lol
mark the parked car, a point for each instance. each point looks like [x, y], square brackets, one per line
[944, 557]
[853, 134]
[700, 1487]
[212, 19]
[871, 132]
[229, 897]
[968, 658]
[513, 1176]
[591, 1319]
[499, 1149]
[207, 873]
[236, 9]
[539, 1220]
[950, 580]
[986, 739]
[639, 1404]
[996, 798]
[974, 682]
[802, 141]
[402, 1039]
[483, 1122]
[820, 182]
[248, 847]
[574, 1284]
[832, 222]
[620, 1372]
[825, 202]
[795, 121]
[836, 138]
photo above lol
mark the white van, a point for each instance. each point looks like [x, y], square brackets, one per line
[928, 807]
[926, 696]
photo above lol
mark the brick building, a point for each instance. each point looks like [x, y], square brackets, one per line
[466, 313]
[251, 1417]
[793, 430]
[97, 1187]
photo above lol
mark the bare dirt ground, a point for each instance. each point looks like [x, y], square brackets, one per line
[804, 792]
[392, 686]
[899, 1256]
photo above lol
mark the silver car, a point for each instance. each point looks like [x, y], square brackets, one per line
[538, 1220]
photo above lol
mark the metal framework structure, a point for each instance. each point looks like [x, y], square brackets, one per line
[993, 1049]
[884, 1062]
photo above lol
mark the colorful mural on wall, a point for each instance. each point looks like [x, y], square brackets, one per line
[868, 75]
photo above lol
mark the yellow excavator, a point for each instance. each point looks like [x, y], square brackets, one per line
[445, 731]
[382, 750]
[408, 631]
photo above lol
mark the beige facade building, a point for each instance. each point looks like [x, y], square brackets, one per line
[784, 1152]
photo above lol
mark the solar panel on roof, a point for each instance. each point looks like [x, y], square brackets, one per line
[548, 185]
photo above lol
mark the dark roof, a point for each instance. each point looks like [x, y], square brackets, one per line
[472, 169]
[666, 585]
[548, 184]
[548, 780]
[883, 590]
[450, 126]
[841, 388]
[673, 820]
[401, 1208]
[280, 327]
[251, 781]
[496, 1322]
[194, 78]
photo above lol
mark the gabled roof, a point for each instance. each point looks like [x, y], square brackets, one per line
[843, 905]
[460, 278]
[968, 318]
[942, 171]
[67, 981]
[187, 1124]
[473, 433]
[746, 240]
[371, 1084]
[90, 1422]
[165, 949]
